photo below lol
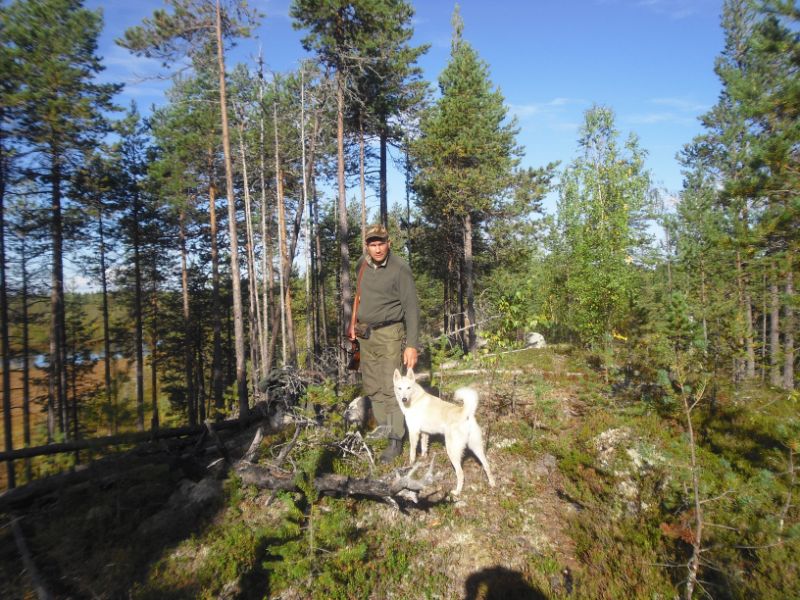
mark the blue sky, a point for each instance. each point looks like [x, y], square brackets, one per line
[651, 61]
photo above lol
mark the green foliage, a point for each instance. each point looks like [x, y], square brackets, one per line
[441, 351]
[599, 236]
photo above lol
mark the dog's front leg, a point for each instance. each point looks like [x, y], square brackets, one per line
[424, 440]
[413, 440]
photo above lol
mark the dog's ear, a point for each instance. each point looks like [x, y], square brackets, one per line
[396, 375]
[411, 375]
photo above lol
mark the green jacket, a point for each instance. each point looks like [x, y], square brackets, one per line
[388, 293]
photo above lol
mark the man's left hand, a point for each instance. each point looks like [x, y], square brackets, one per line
[410, 356]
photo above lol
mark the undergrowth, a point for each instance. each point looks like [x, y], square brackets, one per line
[616, 465]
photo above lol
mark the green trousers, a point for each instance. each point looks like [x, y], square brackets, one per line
[380, 356]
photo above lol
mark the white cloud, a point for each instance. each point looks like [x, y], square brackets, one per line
[523, 111]
[673, 9]
[657, 118]
[682, 104]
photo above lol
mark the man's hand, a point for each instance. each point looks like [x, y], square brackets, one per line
[410, 356]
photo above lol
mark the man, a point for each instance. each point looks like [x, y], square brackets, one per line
[386, 311]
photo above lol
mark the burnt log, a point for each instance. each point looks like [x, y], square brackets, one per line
[400, 485]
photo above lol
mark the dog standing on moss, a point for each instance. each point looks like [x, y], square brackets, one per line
[427, 415]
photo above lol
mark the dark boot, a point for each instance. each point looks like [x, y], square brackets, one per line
[393, 450]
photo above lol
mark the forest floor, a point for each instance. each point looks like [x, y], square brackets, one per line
[486, 543]
[578, 510]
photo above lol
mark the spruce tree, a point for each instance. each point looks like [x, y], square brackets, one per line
[466, 162]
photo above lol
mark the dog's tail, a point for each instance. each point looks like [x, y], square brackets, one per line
[469, 398]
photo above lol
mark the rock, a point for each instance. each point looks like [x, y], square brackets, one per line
[534, 340]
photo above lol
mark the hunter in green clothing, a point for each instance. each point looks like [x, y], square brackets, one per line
[387, 312]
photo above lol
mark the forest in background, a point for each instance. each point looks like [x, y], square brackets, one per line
[186, 324]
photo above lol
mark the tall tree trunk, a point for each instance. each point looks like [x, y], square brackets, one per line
[408, 207]
[216, 305]
[26, 362]
[344, 250]
[287, 321]
[58, 345]
[750, 344]
[137, 309]
[788, 324]
[764, 318]
[4, 325]
[252, 287]
[154, 420]
[740, 368]
[281, 235]
[106, 327]
[307, 174]
[362, 181]
[266, 258]
[774, 331]
[704, 301]
[199, 378]
[469, 283]
[384, 200]
[323, 315]
[238, 317]
[188, 346]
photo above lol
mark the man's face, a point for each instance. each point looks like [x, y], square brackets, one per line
[378, 249]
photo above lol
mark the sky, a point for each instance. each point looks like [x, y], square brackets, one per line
[650, 61]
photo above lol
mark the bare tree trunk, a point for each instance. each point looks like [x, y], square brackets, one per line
[384, 200]
[362, 181]
[252, 288]
[788, 324]
[749, 336]
[469, 284]
[774, 331]
[137, 309]
[58, 341]
[26, 364]
[697, 537]
[281, 235]
[154, 420]
[216, 304]
[307, 174]
[344, 250]
[742, 363]
[238, 317]
[106, 327]
[323, 314]
[4, 324]
[290, 346]
[266, 271]
[704, 301]
[188, 346]
[764, 318]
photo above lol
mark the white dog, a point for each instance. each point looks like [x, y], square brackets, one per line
[426, 415]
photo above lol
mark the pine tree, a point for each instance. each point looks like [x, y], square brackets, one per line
[466, 166]
[338, 32]
[61, 118]
[390, 86]
[192, 29]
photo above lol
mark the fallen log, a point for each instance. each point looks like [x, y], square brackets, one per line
[42, 593]
[123, 438]
[398, 485]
